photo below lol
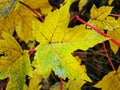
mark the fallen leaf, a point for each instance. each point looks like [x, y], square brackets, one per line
[99, 17]
[57, 42]
[14, 63]
[111, 81]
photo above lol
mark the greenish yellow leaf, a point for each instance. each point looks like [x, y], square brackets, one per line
[57, 42]
[110, 23]
[19, 19]
[14, 63]
[100, 19]
[100, 13]
[111, 81]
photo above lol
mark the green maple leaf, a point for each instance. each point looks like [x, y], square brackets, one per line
[57, 42]
[14, 63]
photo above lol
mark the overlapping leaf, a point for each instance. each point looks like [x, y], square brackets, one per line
[111, 81]
[57, 42]
[100, 19]
[14, 63]
[116, 35]
[19, 19]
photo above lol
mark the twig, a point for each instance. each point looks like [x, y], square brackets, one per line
[60, 83]
[110, 61]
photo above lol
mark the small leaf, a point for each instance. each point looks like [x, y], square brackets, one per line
[111, 81]
[100, 19]
[14, 63]
[100, 13]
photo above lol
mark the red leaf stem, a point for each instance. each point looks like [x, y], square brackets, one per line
[98, 30]
[110, 61]
[31, 51]
[4, 84]
[116, 15]
[60, 83]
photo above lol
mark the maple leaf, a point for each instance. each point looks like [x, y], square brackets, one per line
[19, 20]
[14, 63]
[111, 81]
[100, 19]
[57, 42]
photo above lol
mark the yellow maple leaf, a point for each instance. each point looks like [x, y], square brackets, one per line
[57, 42]
[19, 20]
[100, 19]
[111, 81]
[14, 63]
